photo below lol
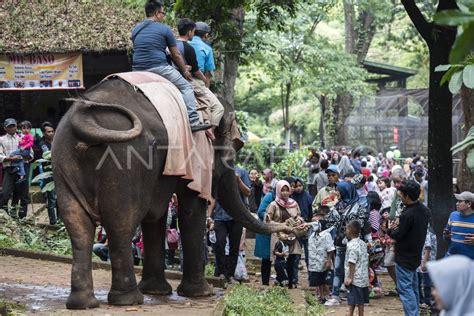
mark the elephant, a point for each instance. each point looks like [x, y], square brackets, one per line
[113, 116]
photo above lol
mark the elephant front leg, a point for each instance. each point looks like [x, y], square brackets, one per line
[81, 231]
[153, 277]
[192, 225]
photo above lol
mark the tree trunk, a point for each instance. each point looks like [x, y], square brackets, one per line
[286, 113]
[465, 178]
[440, 164]
[357, 43]
[323, 102]
[231, 57]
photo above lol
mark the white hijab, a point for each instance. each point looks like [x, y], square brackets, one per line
[453, 277]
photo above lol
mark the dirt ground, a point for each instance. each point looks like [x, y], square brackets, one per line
[44, 286]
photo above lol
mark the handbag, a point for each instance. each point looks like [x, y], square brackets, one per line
[172, 237]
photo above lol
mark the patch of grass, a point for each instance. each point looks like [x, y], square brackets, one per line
[23, 234]
[313, 307]
[12, 309]
[243, 300]
[209, 269]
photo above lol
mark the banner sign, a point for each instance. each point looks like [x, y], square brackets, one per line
[41, 72]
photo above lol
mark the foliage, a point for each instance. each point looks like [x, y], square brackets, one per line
[313, 307]
[243, 300]
[65, 26]
[291, 67]
[259, 155]
[461, 69]
[209, 270]
[464, 17]
[466, 143]
[291, 165]
[12, 308]
[45, 179]
[24, 235]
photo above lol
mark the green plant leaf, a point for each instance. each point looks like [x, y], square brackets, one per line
[468, 76]
[47, 155]
[470, 160]
[453, 17]
[456, 82]
[42, 176]
[42, 161]
[441, 68]
[447, 76]
[463, 45]
[465, 3]
[469, 140]
[48, 187]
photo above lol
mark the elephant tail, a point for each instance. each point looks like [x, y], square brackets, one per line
[89, 131]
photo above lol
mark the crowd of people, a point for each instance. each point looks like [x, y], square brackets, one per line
[361, 215]
[17, 151]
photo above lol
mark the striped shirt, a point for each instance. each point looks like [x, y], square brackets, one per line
[460, 225]
[8, 143]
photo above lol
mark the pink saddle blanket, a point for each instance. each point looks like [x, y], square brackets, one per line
[190, 155]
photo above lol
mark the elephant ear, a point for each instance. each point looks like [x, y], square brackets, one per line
[228, 129]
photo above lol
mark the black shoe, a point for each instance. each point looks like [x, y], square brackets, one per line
[200, 127]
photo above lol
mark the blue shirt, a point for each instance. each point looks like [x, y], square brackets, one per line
[204, 54]
[220, 214]
[262, 242]
[459, 225]
[149, 45]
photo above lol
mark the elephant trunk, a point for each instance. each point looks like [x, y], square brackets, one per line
[229, 199]
[89, 131]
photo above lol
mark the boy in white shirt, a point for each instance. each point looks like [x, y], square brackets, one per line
[356, 267]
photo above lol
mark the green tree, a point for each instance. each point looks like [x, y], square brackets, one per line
[227, 21]
[361, 20]
[301, 62]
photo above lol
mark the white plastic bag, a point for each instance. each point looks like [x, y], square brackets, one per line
[240, 270]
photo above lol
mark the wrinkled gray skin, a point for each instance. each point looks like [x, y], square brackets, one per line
[124, 194]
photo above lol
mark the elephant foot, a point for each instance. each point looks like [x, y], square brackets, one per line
[82, 300]
[155, 287]
[195, 289]
[134, 297]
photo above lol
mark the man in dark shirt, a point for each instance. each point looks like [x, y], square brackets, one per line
[226, 227]
[45, 144]
[150, 39]
[409, 231]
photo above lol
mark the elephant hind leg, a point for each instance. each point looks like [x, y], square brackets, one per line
[81, 231]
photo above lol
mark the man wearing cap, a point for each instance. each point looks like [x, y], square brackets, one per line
[150, 39]
[204, 53]
[460, 228]
[200, 83]
[332, 173]
[205, 59]
[8, 143]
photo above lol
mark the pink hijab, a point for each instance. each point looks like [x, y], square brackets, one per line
[288, 203]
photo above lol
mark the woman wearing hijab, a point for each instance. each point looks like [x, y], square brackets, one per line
[453, 280]
[345, 166]
[304, 200]
[282, 210]
[349, 209]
